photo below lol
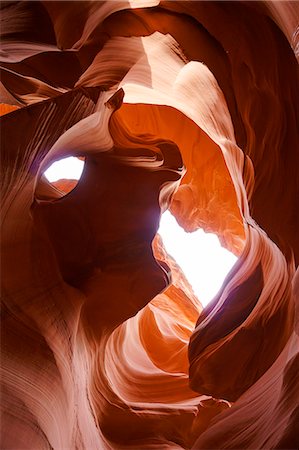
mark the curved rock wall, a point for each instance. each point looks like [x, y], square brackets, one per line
[191, 106]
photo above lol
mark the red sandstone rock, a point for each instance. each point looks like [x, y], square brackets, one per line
[191, 106]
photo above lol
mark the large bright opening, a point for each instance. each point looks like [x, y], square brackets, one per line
[200, 255]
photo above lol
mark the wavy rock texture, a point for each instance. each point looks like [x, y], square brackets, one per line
[191, 106]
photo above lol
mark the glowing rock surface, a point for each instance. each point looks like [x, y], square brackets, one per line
[191, 106]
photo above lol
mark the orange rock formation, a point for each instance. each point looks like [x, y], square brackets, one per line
[191, 106]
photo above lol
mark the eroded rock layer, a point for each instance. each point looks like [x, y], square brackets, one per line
[191, 106]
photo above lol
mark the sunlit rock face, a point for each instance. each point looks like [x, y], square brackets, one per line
[191, 106]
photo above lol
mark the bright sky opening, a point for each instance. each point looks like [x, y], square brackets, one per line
[200, 255]
[68, 168]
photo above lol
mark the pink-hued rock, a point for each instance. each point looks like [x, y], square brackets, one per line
[188, 106]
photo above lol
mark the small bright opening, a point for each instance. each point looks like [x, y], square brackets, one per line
[68, 168]
[200, 255]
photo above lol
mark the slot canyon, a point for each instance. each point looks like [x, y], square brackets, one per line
[186, 106]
